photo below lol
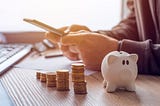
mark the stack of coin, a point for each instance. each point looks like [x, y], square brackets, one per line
[78, 78]
[62, 80]
[43, 76]
[38, 73]
[80, 87]
[51, 79]
[77, 72]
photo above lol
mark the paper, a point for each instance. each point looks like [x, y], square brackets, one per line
[42, 63]
[49, 64]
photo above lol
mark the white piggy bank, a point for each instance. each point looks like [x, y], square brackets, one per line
[119, 70]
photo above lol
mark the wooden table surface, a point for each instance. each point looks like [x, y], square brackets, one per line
[26, 90]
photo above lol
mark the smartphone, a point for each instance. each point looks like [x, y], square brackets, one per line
[44, 26]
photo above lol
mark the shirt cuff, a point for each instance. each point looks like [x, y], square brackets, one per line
[142, 49]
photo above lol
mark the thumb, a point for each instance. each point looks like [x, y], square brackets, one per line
[52, 37]
[76, 27]
[62, 29]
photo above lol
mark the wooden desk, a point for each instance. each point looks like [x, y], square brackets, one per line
[26, 90]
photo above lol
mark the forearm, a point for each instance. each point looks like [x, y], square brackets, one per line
[148, 53]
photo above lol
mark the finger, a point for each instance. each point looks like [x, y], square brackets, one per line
[63, 28]
[78, 32]
[71, 39]
[52, 37]
[73, 49]
[69, 54]
[75, 38]
[75, 28]
[83, 31]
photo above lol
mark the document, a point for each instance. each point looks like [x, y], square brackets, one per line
[40, 63]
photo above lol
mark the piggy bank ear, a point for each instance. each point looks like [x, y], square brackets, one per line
[111, 59]
[134, 57]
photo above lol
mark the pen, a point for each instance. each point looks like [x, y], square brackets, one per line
[54, 55]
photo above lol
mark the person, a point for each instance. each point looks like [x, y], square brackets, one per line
[139, 33]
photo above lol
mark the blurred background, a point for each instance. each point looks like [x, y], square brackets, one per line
[96, 14]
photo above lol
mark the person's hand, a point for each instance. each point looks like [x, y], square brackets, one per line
[80, 43]
[90, 47]
[73, 28]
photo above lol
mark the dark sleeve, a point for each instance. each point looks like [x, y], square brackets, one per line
[126, 29]
[148, 55]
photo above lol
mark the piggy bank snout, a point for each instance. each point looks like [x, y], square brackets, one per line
[127, 73]
[127, 70]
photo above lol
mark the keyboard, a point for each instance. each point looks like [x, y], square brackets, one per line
[11, 53]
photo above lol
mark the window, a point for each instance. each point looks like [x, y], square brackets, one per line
[125, 10]
[96, 14]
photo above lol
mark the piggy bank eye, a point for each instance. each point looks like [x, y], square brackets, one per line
[127, 62]
[123, 62]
